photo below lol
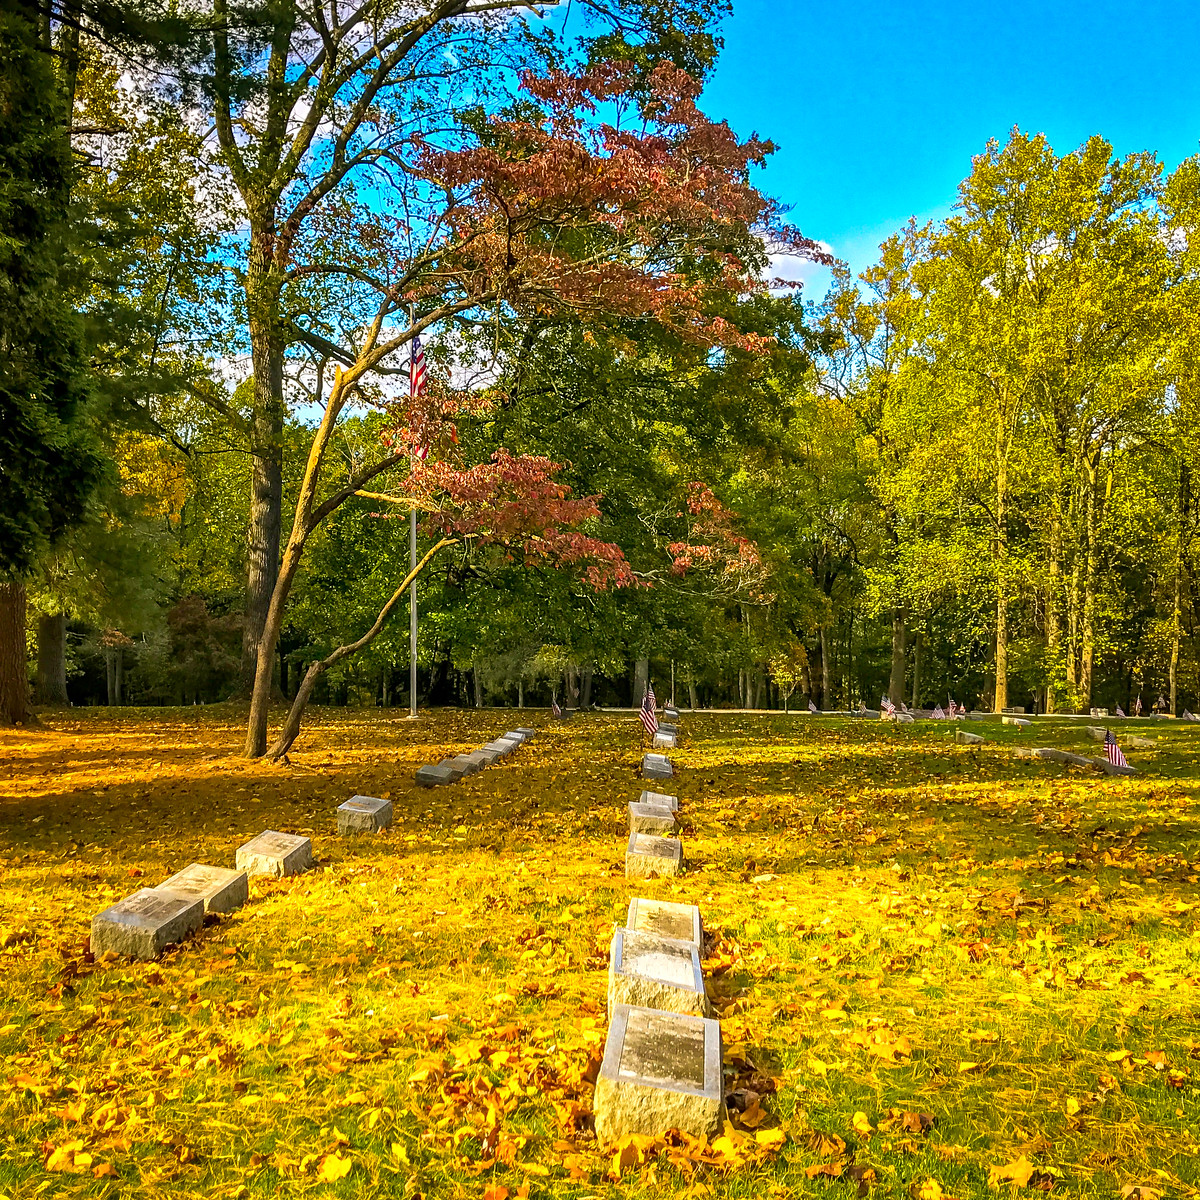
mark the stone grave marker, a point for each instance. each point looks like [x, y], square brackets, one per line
[480, 759]
[1064, 756]
[664, 727]
[904, 719]
[526, 731]
[363, 814]
[963, 738]
[145, 924]
[217, 888]
[661, 1071]
[1098, 712]
[465, 762]
[501, 748]
[656, 766]
[490, 757]
[649, 818]
[1112, 768]
[434, 774]
[666, 918]
[1096, 732]
[660, 800]
[647, 855]
[457, 770]
[872, 714]
[649, 971]
[1140, 743]
[1020, 721]
[665, 741]
[276, 854]
[671, 713]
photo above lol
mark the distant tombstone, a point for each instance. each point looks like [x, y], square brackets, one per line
[1098, 712]
[1014, 708]
[872, 714]
[276, 854]
[1096, 732]
[363, 814]
[434, 775]
[145, 924]
[656, 766]
[457, 769]
[647, 855]
[963, 738]
[526, 731]
[464, 762]
[648, 818]
[904, 718]
[500, 747]
[489, 756]
[1140, 743]
[1065, 756]
[661, 1071]
[649, 971]
[665, 918]
[1113, 769]
[219, 889]
[1019, 721]
[479, 758]
[664, 727]
[660, 800]
[671, 714]
[664, 741]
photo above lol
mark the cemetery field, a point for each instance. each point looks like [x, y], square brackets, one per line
[940, 970]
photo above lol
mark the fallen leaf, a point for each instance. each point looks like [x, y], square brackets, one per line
[333, 1167]
[1020, 1172]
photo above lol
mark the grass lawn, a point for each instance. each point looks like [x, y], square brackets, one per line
[940, 970]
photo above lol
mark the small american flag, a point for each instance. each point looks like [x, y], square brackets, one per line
[812, 708]
[939, 713]
[887, 706]
[1112, 751]
[862, 706]
[1137, 707]
[649, 720]
[554, 709]
[953, 709]
[1120, 711]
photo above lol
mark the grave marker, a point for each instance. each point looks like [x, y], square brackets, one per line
[963, 738]
[145, 924]
[666, 918]
[463, 762]
[434, 774]
[217, 888]
[660, 800]
[363, 814]
[648, 971]
[656, 766]
[647, 855]
[276, 854]
[649, 818]
[661, 1071]
[666, 741]
[1020, 721]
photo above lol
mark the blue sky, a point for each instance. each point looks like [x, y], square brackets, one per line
[878, 107]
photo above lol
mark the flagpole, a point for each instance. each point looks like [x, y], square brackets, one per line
[412, 554]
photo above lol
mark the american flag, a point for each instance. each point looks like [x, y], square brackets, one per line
[812, 708]
[554, 709]
[953, 709]
[416, 383]
[887, 706]
[939, 713]
[1120, 711]
[862, 706]
[1112, 751]
[649, 720]
[1137, 707]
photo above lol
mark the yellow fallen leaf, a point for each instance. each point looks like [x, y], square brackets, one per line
[1072, 1106]
[967, 1068]
[861, 1125]
[333, 1167]
[770, 1140]
[1117, 1055]
[1020, 1172]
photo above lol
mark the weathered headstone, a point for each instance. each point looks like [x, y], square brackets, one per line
[656, 766]
[479, 758]
[488, 757]
[647, 855]
[1113, 769]
[457, 769]
[218, 888]
[1140, 743]
[665, 918]
[275, 854]
[660, 800]
[665, 741]
[1019, 721]
[434, 774]
[501, 746]
[649, 818]
[671, 713]
[660, 1071]
[904, 719]
[146, 923]
[363, 814]
[664, 727]
[467, 764]
[871, 714]
[1096, 732]
[1098, 712]
[526, 731]
[1064, 756]
[1018, 709]
[649, 971]
[963, 738]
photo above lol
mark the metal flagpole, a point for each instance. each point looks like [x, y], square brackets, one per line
[412, 549]
[672, 683]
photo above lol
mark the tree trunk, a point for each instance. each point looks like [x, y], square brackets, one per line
[14, 672]
[52, 659]
[692, 689]
[520, 693]
[585, 698]
[899, 654]
[115, 663]
[916, 686]
[824, 669]
[1000, 699]
[266, 439]
[641, 674]
[478, 687]
[1088, 636]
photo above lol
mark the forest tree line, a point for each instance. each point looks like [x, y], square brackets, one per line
[966, 472]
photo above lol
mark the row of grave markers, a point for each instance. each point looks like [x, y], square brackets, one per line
[662, 1057]
[144, 924]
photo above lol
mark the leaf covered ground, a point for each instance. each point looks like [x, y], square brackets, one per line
[941, 971]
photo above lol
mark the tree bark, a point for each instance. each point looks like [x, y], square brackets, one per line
[1053, 623]
[899, 654]
[478, 687]
[14, 672]
[52, 659]
[585, 699]
[916, 683]
[1088, 635]
[824, 669]
[692, 689]
[1177, 606]
[641, 674]
[1000, 699]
